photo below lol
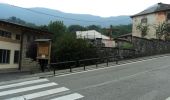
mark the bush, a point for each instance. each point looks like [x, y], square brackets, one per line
[126, 46]
[68, 48]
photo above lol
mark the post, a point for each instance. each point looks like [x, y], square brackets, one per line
[70, 69]
[107, 62]
[54, 71]
[21, 50]
[84, 67]
[96, 63]
[116, 60]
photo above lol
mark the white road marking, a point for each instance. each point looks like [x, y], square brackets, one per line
[23, 83]
[91, 70]
[73, 96]
[39, 94]
[3, 93]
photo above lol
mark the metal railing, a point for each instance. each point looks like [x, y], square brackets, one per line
[83, 63]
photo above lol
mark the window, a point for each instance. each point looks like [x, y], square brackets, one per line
[5, 34]
[4, 56]
[144, 20]
[16, 57]
[18, 37]
[168, 16]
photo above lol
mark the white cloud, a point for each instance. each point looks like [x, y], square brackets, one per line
[103, 8]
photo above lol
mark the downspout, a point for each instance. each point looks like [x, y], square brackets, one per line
[21, 50]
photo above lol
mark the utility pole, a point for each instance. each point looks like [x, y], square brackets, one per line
[110, 34]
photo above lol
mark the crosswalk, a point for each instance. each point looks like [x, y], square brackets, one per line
[36, 89]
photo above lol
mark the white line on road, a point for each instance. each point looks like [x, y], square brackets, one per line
[73, 96]
[23, 83]
[3, 93]
[91, 70]
[39, 94]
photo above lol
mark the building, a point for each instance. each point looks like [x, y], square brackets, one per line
[17, 45]
[151, 16]
[96, 38]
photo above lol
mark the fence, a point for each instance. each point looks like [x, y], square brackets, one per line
[142, 47]
[118, 55]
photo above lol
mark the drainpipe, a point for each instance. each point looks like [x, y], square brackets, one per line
[21, 50]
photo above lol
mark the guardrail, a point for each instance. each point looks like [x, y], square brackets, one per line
[83, 62]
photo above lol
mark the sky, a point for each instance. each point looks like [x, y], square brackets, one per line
[103, 8]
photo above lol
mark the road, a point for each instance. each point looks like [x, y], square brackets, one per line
[142, 80]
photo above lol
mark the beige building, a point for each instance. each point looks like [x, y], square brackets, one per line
[16, 45]
[152, 16]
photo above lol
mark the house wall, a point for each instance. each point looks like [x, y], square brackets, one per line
[9, 44]
[12, 47]
[108, 43]
[152, 20]
[27, 38]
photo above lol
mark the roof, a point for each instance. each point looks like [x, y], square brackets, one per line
[155, 8]
[90, 34]
[24, 27]
[120, 39]
[124, 35]
[42, 40]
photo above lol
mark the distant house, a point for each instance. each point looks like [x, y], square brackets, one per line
[152, 16]
[96, 37]
[16, 44]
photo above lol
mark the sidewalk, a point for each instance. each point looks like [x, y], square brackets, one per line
[15, 74]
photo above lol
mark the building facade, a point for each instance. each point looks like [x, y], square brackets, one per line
[152, 17]
[17, 45]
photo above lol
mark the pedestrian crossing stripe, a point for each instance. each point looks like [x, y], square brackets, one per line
[7, 90]
[3, 93]
[39, 94]
[73, 96]
[23, 83]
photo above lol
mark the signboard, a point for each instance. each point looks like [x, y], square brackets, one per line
[43, 50]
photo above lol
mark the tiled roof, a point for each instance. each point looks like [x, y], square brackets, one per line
[155, 8]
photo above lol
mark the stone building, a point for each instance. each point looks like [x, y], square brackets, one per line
[151, 16]
[17, 45]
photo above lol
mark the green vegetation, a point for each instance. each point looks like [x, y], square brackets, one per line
[16, 20]
[126, 46]
[67, 48]
[121, 30]
[143, 28]
[162, 29]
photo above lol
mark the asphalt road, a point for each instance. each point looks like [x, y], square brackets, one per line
[143, 80]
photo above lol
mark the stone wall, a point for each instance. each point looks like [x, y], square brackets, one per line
[146, 47]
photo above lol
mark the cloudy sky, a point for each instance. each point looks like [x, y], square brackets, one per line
[104, 8]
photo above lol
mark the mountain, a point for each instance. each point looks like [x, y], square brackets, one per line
[41, 16]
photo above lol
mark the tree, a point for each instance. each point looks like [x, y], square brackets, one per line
[94, 27]
[58, 28]
[67, 47]
[20, 21]
[162, 29]
[117, 30]
[74, 28]
[143, 28]
[43, 27]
